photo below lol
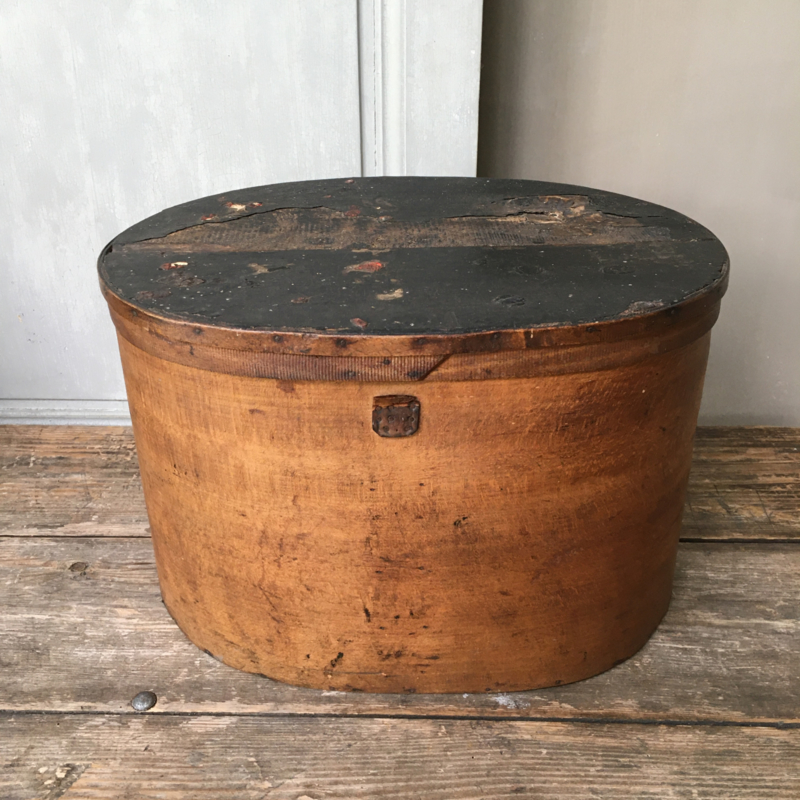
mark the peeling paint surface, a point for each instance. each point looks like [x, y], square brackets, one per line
[409, 256]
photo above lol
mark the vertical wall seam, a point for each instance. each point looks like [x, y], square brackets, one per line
[371, 73]
[360, 76]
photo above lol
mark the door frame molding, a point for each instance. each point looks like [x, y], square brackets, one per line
[419, 82]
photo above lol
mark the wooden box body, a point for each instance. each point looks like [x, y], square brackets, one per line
[516, 528]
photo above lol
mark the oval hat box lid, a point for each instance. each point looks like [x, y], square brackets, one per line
[408, 267]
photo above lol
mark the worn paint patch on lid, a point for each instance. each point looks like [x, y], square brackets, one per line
[411, 257]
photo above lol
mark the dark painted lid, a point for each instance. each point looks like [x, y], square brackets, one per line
[411, 257]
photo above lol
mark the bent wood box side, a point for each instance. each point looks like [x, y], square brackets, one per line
[524, 536]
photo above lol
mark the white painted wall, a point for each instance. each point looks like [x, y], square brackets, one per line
[420, 84]
[111, 110]
[694, 104]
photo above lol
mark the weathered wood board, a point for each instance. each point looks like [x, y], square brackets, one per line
[84, 629]
[70, 480]
[710, 708]
[744, 484]
[211, 757]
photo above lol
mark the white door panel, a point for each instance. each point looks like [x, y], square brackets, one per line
[111, 111]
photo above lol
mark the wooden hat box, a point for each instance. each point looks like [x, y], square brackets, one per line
[415, 434]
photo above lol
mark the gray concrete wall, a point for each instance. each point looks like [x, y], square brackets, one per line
[694, 104]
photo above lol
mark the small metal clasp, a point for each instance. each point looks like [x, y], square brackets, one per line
[395, 415]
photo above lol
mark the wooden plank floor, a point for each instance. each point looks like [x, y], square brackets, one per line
[710, 708]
